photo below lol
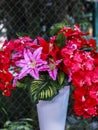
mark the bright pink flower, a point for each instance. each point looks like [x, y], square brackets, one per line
[89, 65]
[52, 68]
[74, 36]
[67, 51]
[23, 42]
[31, 63]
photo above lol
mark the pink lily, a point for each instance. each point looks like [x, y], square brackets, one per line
[31, 63]
[52, 69]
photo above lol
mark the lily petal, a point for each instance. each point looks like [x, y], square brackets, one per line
[37, 53]
[20, 63]
[58, 62]
[40, 62]
[53, 73]
[28, 55]
[34, 73]
[25, 70]
[44, 68]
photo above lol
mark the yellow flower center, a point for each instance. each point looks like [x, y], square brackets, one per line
[33, 64]
[52, 66]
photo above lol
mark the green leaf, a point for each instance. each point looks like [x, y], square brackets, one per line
[60, 40]
[61, 77]
[43, 89]
[23, 83]
[56, 28]
[21, 124]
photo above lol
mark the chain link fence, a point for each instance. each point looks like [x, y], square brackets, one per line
[35, 17]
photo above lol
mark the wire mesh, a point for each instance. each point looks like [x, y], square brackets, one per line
[34, 17]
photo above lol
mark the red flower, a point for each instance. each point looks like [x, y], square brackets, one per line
[93, 93]
[81, 66]
[49, 49]
[44, 44]
[86, 109]
[73, 36]
[78, 109]
[6, 76]
[68, 31]
[78, 79]
[95, 56]
[46, 48]
[9, 45]
[4, 60]
[80, 94]
[7, 92]
[91, 43]
[55, 52]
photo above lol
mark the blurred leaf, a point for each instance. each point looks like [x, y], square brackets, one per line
[22, 124]
[71, 120]
[4, 110]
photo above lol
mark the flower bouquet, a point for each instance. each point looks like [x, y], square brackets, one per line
[47, 68]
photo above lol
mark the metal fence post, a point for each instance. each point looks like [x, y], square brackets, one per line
[96, 21]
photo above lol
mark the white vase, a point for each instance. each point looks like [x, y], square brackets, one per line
[52, 114]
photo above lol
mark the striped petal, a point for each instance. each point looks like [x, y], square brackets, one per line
[34, 73]
[25, 70]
